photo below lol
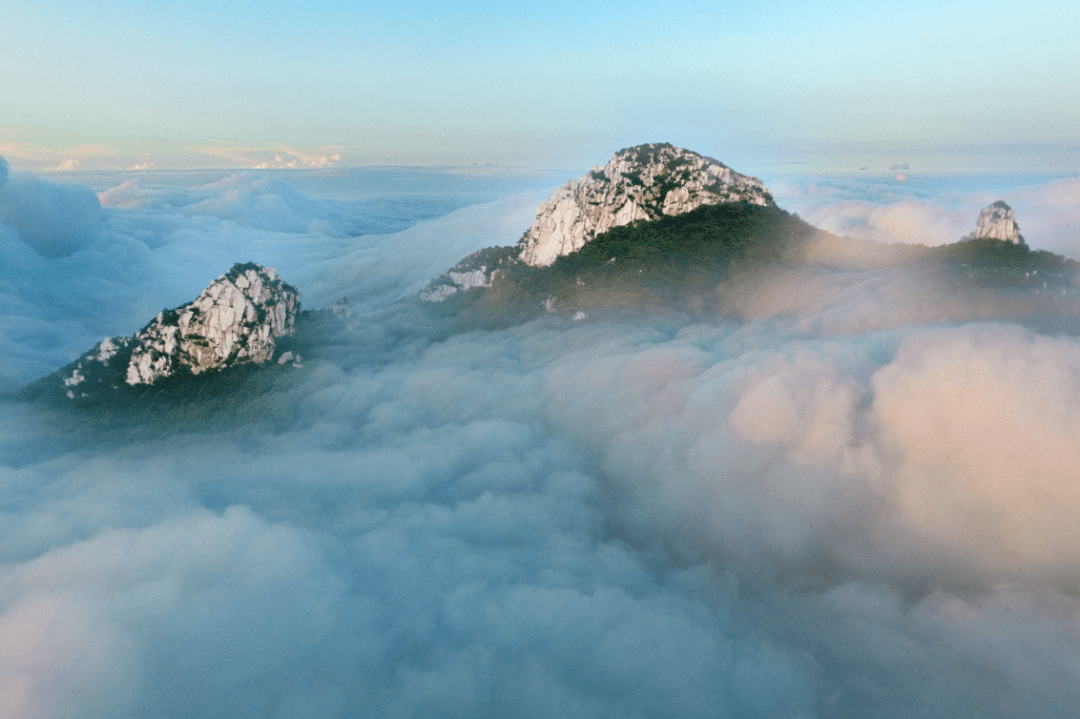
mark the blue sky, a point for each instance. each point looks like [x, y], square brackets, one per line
[828, 86]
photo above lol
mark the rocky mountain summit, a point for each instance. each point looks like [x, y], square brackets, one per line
[236, 319]
[239, 318]
[638, 183]
[642, 183]
[997, 222]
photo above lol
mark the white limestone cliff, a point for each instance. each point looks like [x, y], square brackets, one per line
[474, 270]
[639, 183]
[236, 319]
[997, 222]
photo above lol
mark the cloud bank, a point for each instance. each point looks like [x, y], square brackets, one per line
[934, 210]
[855, 495]
[54, 219]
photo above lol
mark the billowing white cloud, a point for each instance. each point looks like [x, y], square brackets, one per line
[266, 203]
[907, 221]
[847, 446]
[55, 219]
[985, 420]
[90, 627]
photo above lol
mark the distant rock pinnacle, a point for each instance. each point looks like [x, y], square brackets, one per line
[639, 183]
[997, 222]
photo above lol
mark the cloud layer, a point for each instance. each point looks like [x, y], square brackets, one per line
[854, 496]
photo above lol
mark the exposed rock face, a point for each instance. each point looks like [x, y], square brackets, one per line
[997, 222]
[639, 183]
[465, 280]
[236, 319]
[474, 270]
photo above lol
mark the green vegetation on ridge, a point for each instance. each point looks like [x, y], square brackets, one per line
[671, 261]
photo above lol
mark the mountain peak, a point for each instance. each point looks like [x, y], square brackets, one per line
[997, 221]
[645, 182]
[234, 320]
[237, 319]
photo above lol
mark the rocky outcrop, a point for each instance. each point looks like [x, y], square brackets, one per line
[646, 182]
[239, 318]
[997, 222]
[474, 270]
[639, 183]
[455, 281]
[236, 319]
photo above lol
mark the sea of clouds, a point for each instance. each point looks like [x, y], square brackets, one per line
[855, 494]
